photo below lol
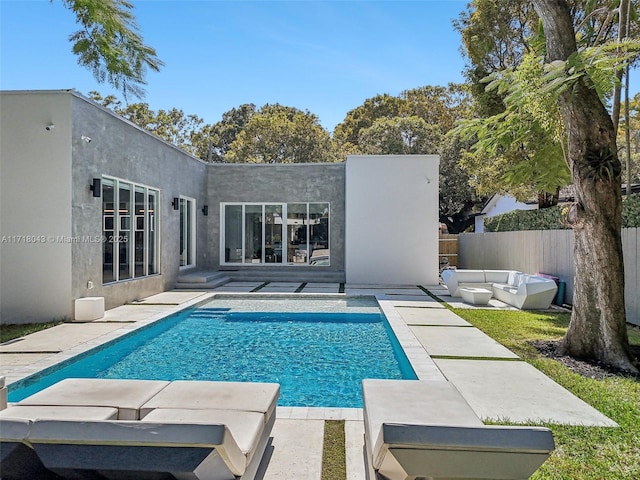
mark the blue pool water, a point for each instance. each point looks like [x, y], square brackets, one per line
[319, 358]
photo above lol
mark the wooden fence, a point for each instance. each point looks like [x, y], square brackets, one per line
[550, 252]
[448, 249]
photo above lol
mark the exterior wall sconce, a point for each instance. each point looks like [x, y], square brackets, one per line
[205, 210]
[95, 187]
[175, 203]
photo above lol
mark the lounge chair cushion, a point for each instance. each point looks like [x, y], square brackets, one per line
[125, 395]
[245, 427]
[33, 412]
[426, 429]
[411, 402]
[197, 395]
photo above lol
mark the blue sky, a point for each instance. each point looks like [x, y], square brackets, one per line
[324, 56]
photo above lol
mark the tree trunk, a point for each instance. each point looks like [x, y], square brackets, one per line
[598, 324]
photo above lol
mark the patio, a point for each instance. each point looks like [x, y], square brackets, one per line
[495, 382]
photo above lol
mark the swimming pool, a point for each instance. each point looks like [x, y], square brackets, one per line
[319, 351]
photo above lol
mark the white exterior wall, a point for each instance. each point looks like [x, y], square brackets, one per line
[35, 206]
[392, 219]
[502, 205]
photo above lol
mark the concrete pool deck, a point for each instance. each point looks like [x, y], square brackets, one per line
[494, 381]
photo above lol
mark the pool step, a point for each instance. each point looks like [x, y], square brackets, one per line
[202, 280]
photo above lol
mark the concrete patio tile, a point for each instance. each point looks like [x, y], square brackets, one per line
[296, 451]
[19, 359]
[404, 291]
[243, 284]
[519, 392]
[279, 288]
[173, 297]
[323, 285]
[354, 449]
[460, 342]
[415, 301]
[431, 316]
[320, 290]
[133, 313]
[59, 338]
[235, 289]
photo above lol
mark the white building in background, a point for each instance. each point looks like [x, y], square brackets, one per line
[499, 204]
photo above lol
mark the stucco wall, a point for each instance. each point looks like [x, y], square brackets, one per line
[392, 219]
[278, 183]
[121, 149]
[35, 206]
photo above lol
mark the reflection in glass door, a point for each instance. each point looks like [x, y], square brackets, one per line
[187, 232]
[253, 234]
[278, 233]
[273, 234]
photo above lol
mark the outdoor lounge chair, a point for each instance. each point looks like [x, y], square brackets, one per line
[132, 449]
[425, 429]
[18, 460]
[199, 430]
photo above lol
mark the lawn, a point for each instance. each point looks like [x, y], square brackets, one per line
[581, 452]
[10, 332]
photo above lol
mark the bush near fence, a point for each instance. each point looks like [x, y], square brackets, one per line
[550, 218]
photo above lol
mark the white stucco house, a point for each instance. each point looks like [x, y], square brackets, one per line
[497, 205]
[93, 206]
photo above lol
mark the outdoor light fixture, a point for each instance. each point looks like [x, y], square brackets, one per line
[175, 203]
[205, 210]
[95, 187]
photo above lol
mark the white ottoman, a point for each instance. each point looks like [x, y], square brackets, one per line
[475, 296]
[89, 308]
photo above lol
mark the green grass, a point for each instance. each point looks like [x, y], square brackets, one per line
[582, 453]
[10, 332]
[334, 463]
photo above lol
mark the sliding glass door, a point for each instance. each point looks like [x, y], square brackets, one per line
[275, 233]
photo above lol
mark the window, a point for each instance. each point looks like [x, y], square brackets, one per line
[275, 233]
[130, 240]
[187, 232]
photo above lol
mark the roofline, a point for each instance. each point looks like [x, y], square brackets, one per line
[79, 96]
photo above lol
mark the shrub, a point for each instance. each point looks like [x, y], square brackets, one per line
[549, 218]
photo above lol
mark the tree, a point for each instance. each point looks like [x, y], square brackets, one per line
[598, 326]
[415, 122]
[519, 151]
[400, 136]
[280, 134]
[221, 135]
[380, 106]
[459, 200]
[110, 45]
[173, 126]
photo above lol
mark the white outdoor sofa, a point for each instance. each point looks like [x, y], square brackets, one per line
[522, 290]
[84, 428]
[417, 429]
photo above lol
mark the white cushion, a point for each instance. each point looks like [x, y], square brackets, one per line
[496, 276]
[125, 395]
[198, 395]
[245, 427]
